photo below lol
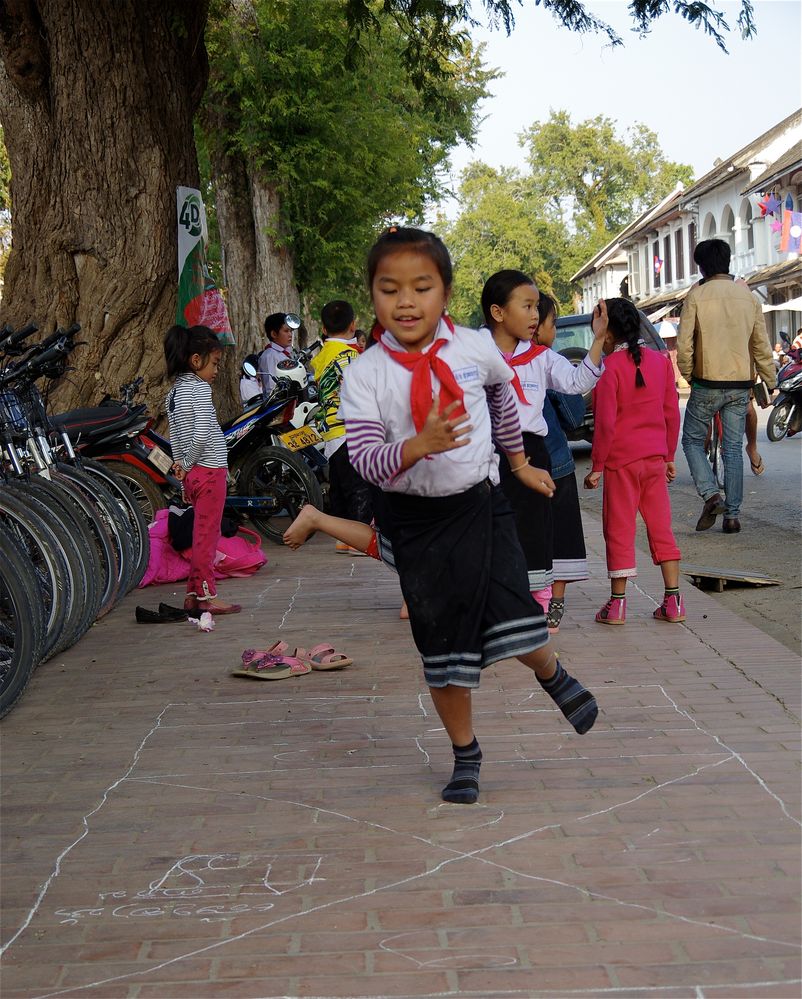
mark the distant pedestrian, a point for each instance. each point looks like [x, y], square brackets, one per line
[421, 411]
[200, 455]
[635, 431]
[722, 339]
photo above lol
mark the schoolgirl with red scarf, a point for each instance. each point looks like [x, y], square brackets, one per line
[423, 410]
[510, 307]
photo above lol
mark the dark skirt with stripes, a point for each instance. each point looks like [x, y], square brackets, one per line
[463, 576]
[570, 557]
[533, 514]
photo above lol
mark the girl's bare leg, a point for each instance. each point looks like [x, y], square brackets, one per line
[310, 519]
[670, 571]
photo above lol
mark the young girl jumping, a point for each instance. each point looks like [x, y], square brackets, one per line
[510, 307]
[421, 411]
[636, 425]
[199, 452]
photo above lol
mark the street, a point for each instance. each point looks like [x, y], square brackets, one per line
[769, 542]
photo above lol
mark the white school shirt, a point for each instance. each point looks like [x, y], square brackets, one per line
[268, 361]
[549, 370]
[377, 389]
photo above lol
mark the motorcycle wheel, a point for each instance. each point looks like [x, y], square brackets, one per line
[146, 493]
[284, 478]
[777, 427]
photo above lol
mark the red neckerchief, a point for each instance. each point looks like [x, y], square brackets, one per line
[422, 365]
[517, 361]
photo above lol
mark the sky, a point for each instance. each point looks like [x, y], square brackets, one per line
[701, 102]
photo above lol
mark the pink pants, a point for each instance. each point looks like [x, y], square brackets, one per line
[640, 485]
[205, 489]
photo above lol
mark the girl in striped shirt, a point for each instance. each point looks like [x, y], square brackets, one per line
[200, 454]
[422, 410]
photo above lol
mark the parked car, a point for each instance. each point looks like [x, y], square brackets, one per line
[574, 339]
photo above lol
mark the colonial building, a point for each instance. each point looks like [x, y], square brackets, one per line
[724, 203]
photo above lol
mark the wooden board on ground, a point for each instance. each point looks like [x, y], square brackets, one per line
[720, 577]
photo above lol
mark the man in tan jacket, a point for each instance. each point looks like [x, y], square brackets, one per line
[722, 340]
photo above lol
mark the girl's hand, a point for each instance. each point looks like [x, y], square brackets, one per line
[598, 322]
[444, 431]
[592, 480]
[179, 471]
[671, 471]
[537, 479]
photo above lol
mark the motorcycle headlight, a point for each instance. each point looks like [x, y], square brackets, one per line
[311, 391]
[791, 384]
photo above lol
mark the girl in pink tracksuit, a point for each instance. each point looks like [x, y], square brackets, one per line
[636, 426]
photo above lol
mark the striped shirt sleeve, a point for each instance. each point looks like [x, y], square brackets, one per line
[376, 461]
[504, 422]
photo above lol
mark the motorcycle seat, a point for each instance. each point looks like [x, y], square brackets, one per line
[97, 421]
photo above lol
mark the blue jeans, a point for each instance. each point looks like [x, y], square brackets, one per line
[703, 403]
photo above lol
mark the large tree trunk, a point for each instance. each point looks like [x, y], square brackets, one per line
[97, 102]
[259, 275]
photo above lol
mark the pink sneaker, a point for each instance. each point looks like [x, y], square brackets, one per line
[672, 609]
[613, 612]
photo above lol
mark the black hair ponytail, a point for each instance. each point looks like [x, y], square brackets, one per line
[623, 321]
[181, 343]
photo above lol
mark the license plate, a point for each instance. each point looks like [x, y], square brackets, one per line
[160, 459]
[300, 438]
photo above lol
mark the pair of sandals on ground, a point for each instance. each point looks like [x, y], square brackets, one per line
[276, 664]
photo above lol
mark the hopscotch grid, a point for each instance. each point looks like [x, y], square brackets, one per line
[457, 855]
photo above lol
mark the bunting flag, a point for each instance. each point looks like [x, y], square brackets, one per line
[768, 205]
[199, 300]
[791, 237]
[658, 265]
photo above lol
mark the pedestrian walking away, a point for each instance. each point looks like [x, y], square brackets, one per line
[422, 411]
[510, 306]
[200, 456]
[721, 341]
[636, 426]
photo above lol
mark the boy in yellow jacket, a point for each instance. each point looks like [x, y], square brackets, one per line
[349, 494]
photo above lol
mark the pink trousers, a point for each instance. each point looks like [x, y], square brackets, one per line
[638, 486]
[205, 489]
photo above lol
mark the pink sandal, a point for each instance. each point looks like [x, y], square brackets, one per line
[323, 657]
[270, 664]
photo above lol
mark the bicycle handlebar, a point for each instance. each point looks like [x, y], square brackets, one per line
[10, 338]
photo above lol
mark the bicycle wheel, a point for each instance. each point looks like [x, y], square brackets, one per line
[112, 518]
[714, 452]
[132, 514]
[21, 623]
[26, 520]
[89, 568]
[285, 481]
[147, 494]
[108, 580]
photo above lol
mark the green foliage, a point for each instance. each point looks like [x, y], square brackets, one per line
[584, 184]
[347, 149]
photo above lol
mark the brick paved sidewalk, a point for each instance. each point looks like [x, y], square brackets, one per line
[171, 831]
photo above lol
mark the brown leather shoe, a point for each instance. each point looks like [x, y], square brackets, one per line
[713, 508]
[731, 525]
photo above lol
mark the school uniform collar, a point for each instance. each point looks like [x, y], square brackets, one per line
[443, 332]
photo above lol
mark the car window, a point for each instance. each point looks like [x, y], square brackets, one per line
[573, 331]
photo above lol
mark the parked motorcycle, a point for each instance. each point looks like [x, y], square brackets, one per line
[786, 416]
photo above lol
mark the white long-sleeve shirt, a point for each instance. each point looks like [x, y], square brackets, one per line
[375, 405]
[549, 370]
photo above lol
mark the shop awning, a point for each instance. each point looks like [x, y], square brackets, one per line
[792, 305]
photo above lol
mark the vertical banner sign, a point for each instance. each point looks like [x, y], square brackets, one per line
[199, 300]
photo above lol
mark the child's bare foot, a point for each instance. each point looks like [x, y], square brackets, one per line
[302, 528]
[404, 612]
